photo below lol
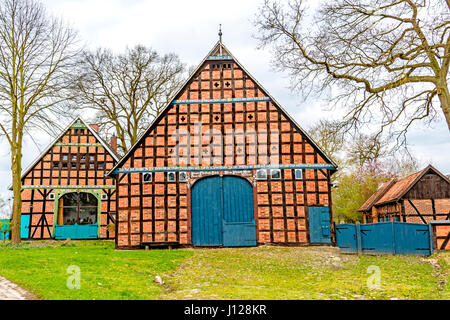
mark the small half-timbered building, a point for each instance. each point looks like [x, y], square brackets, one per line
[423, 197]
[66, 193]
[223, 165]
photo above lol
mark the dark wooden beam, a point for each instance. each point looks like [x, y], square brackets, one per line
[448, 216]
[402, 204]
[433, 208]
[444, 244]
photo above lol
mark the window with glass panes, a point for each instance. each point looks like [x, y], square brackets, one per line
[79, 208]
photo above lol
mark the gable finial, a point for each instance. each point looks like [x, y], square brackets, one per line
[220, 38]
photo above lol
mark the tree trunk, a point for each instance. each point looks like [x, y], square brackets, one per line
[444, 97]
[16, 169]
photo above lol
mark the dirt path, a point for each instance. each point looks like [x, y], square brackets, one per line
[11, 291]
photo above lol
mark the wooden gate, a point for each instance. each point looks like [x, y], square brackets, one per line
[222, 212]
[385, 237]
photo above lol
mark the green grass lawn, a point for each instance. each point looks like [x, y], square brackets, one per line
[250, 273]
[41, 267]
[306, 273]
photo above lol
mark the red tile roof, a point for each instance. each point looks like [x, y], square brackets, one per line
[366, 206]
[399, 188]
[393, 190]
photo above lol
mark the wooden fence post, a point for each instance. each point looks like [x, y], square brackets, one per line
[358, 238]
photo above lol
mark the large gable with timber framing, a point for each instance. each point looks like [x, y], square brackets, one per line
[65, 192]
[223, 145]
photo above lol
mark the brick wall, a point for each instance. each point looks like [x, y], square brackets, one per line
[442, 236]
[442, 209]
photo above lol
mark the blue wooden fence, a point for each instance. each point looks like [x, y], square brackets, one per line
[385, 237]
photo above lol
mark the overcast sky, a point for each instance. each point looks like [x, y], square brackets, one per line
[189, 29]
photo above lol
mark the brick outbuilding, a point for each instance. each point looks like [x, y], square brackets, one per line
[223, 165]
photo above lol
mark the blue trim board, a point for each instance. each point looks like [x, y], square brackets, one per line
[223, 57]
[227, 168]
[227, 100]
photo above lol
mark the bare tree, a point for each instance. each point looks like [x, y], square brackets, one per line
[329, 137]
[36, 53]
[127, 90]
[365, 149]
[388, 60]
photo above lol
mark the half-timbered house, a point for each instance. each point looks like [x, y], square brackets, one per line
[66, 193]
[223, 165]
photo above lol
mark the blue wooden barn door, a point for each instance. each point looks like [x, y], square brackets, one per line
[319, 225]
[239, 227]
[222, 212]
[206, 212]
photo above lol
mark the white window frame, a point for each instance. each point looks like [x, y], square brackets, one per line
[301, 174]
[104, 196]
[51, 196]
